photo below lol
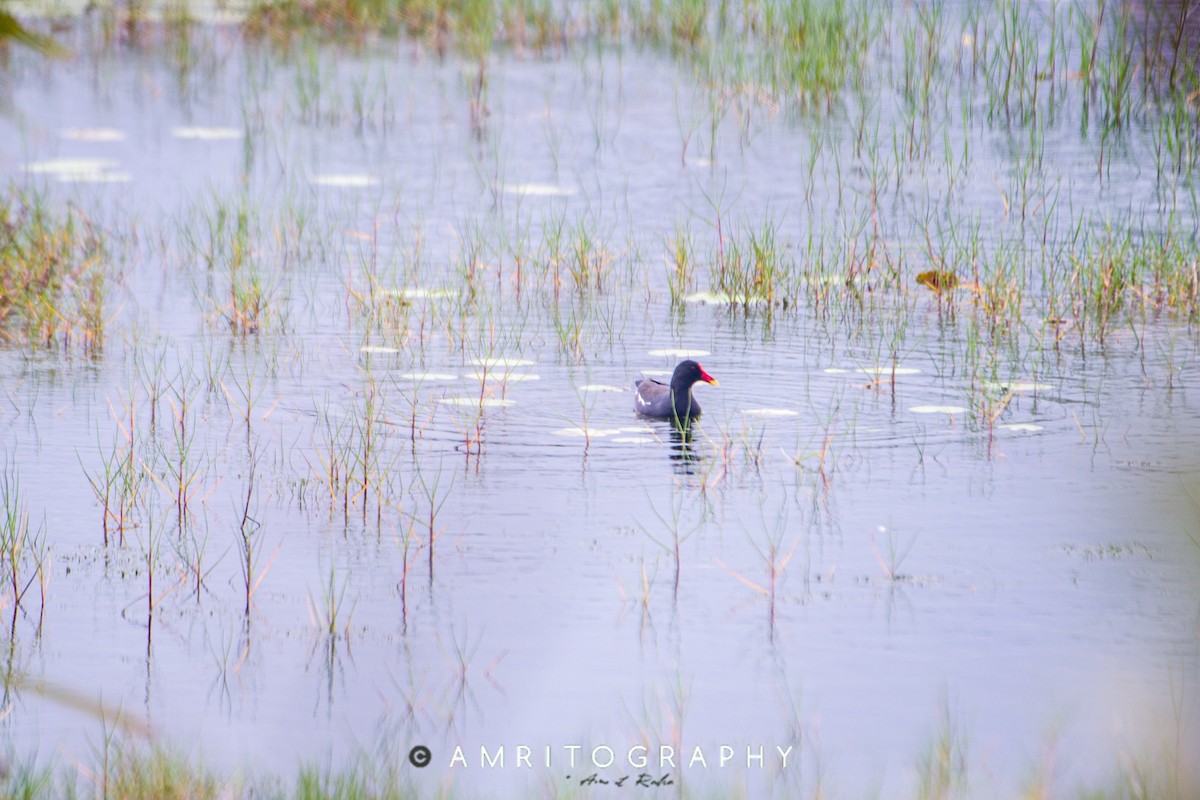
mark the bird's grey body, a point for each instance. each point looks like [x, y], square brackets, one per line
[672, 401]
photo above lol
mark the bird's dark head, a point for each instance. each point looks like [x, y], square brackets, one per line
[689, 372]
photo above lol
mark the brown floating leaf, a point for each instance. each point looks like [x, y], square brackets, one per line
[939, 280]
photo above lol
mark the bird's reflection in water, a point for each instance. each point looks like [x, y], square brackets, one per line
[683, 452]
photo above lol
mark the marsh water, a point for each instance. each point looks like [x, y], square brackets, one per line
[905, 527]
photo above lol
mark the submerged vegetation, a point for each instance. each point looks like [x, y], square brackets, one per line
[1128, 59]
[53, 276]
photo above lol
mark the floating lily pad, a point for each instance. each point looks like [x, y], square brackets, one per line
[378, 349]
[770, 412]
[349, 180]
[538, 189]
[709, 298]
[836, 371]
[1022, 427]
[680, 352]
[723, 299]
[475, 401]
[938, 410]
[93, 134]
[80, 170]
[591, 433]
[826, 279]
[207, 134]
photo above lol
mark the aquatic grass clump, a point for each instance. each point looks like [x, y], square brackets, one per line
[943, 767]
[1019, 71]
[681, 265]
[249, 303]
[769, 54]
[1121, 60]
[234, 245]
[681, 23]
[53, 284]
[809, 48]
[1121, 271]
[589, 262]
[116, 483]
[751, 268]
[574, 255]
[998, 289]
[23, 550]
[800, 52]
[361, 780]
[120, 480]
[472, 27]
[279, 20]
[350, 461]
[136, 771]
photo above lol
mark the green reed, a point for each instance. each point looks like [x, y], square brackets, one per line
[53, 275]
[23, 548]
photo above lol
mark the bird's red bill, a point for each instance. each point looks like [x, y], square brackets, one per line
[704, 376]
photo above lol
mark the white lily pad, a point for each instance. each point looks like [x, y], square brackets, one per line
[347, 180]
[79, 170]
[207, 134]
[538, 190]
[770, 412]
[591, 433]
[378, 349]
[1017, 386]
[1025, 427]
[93, 134]
[723, 299]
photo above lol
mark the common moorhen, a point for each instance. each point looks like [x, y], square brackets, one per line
[656, 399]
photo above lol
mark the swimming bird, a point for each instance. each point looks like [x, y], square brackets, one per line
[656, 399]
